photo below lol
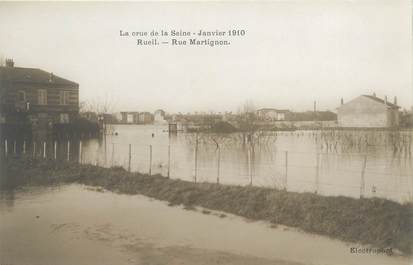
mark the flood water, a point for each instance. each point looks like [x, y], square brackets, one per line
[349, 163]
[75, 224]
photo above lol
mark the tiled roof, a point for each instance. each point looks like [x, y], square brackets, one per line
[31, 75]
[382, 101]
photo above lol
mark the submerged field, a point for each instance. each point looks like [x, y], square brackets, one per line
[374, 221]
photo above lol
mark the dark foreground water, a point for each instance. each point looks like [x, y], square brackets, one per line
[78, 225]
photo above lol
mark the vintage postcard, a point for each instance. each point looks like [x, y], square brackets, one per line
[201, 133]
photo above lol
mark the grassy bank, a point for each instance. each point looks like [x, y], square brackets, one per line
[379, 222]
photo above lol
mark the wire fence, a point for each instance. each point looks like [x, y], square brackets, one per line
[324, 173]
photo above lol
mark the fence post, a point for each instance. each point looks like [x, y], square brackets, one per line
[105, 146]
[286, 170]
[150, 160]
[34, 149]
[44, 149]
[218, 164]
[5, 147]
[80, 151]
[196, 158]
[362, 181]
[130, 154]
[97, 157]
[169, 161]
[24, 147]
[317, 173]
[55, 150]
[14, 147]
[113, 154]
[68, 150]
[252, 165]
[249, 162]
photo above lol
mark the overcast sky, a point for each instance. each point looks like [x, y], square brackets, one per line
[294, 52]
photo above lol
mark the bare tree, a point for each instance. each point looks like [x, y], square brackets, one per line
[246, 117]
[101, 104]
[84, 106]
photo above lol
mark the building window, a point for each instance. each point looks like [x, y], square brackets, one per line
[42, 96]
[21, 96]
[64, 97]
[64, 118]
[281, 116]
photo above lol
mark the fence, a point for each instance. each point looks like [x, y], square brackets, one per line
[348, 174]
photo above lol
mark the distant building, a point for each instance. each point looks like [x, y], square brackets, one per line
[159, 116]
[90, 115]
[109, 118]
[124, 115]
[368, 111]
[269, 114]
[134, 117]
[36, 96]
[130, 117]
[145, 118]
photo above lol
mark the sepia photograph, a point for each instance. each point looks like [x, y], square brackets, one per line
[206, 132]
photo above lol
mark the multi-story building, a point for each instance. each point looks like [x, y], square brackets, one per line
[36, 97]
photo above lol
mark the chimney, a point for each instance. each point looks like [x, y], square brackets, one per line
[395, 100]
[9, 63]
[385, 100]
[51, 77]
[342, 101]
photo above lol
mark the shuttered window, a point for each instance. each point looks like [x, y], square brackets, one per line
[64, 97]
[42, 96]
[21, 96]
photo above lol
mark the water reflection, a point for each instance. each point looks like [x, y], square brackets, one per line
[351, 163]
[75, 225]
[7, 198]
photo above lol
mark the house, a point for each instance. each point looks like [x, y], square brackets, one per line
[269, 114]
[109, 118]
[368, 111]
[89, 115]
[124, 116]
[134, 117]
[35, 95]
[159, 116]
[129, 117]
[145, 117]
